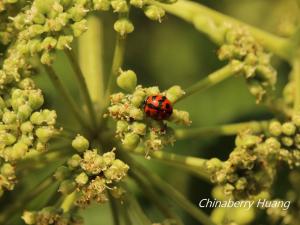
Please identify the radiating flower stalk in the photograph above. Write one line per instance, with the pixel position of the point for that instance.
(97, 164)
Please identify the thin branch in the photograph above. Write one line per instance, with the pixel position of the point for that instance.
(189, 163)
(155, 198)
(173, 194)
(82, 87)
(67, 97)
(213, 79)
(226, 130)
(211, 19)
(114, 209)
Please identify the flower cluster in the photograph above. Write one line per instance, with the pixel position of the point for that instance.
(51, 215)
(7, 177)
(24, 126)
(251, 166)
(240, 45)
(134, 127)
(91, 174)
(249, 169)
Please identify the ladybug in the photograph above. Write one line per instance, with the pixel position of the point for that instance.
(158, 107)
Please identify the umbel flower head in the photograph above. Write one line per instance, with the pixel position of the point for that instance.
(257, 69)
(90, 174)
(51, 215)
(133, 126)
(251, 166)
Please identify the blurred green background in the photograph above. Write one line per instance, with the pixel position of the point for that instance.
(174, 53)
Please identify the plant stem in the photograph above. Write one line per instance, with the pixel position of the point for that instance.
(155, 198)
(116, 64)
(83, 87)
(90, 58)
(296, 72)
(114, 209)
(192, 164)
(173, 194)
(68, 202)
(67, 97)
(213, 79)
(210, 22)
(24, 199)
(135, 211)
(227, 130)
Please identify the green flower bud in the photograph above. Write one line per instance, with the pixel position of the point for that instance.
(137, 3)
(7, 170)
(123, 26)
(64, 41)
(101, 5)
(29, 217)
(7, 139)
(35, 99)
(44, 6)
(26, 84)
(122, 126)
(44, 134)
(108, 158)
(47, 58)
(297, 140)
(180, 117)
(18, 151)
(80, 143)
(288, 128)
(152, 91)
(119, 6)
(130, 141)
(117, 171)
(77, 12)
(287, 141)
(24, 112)
(82, 179)
(62, 173)
(49, 43)
(74, 161)
(79, 27)
(37, 118)
(127, 80)
(273, 143)
(67, 187)
(9, 117)
(275, 128)
(138, 128)
(154, 12)
(136, 113)
(40, 147)
(138, 98)
(296, 119)
(35, 30)
(174, 93)
(34, 46)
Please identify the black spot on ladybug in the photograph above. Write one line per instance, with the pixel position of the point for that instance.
(167, 105)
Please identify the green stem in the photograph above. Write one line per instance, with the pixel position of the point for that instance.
(135, 211)
(213, 79)
(82, 87)
(116, 64)
(67, 97)
(296, 72)
(173, 194)
(192, 164)
(155, 198)
(210, 22)
(227, 130)
(24, 200)
(114, 210)
(68, 202)
(90, 58)
(126, 217)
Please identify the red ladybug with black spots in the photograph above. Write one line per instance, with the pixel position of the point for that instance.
(158, 107)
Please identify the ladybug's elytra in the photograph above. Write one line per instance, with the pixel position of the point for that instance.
(158, 107)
